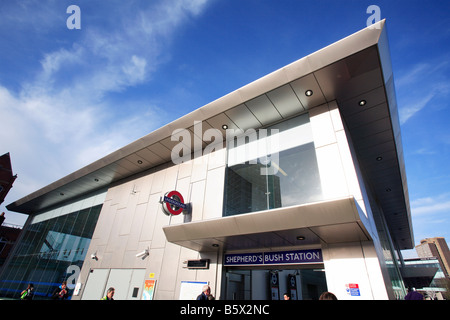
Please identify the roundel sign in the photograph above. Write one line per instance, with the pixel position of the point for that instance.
(173, 203)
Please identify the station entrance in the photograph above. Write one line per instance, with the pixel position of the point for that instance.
(272, 284)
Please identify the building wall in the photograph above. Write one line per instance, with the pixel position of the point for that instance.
(435, 247)
(8, 236)
(131, 219)
(362, 262)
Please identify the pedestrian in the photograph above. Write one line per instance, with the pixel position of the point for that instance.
(28, 293)
(327, 296)
(109, 294)
(206, 293)
(61, 292)
(413, 295)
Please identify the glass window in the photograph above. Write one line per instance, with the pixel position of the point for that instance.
(47, 249)
(273, 168)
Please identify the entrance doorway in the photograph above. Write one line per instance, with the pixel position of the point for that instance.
(267, 284)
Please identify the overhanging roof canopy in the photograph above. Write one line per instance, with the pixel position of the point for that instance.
(417, 276)
(332, 221)
(355, 68)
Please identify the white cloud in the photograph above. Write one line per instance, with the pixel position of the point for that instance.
(415, 106)
(63, 119)
(53, 61)
(425, 151)
(135, 70)
(412, 75)
(431, 205)
(420, 85)
(432, 208)
(430, 216)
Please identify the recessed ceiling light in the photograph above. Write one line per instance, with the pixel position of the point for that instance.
(308, 93)
(224, 126)
(379, 158)
(139, 162)
(362, 103)
(215, 245)
(300, 238)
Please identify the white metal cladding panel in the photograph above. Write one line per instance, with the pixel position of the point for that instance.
(95, 285)
(132, 218)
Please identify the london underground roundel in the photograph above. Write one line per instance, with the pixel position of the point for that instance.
(173, 203)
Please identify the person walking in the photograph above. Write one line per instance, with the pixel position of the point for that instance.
(109, 294)
(61, 292)
(413, 295)
(28, 293)
(327, 296)
(206, 293)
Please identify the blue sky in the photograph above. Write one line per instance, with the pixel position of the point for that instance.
(69, 97)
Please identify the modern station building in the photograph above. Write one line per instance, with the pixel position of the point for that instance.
(293, 183)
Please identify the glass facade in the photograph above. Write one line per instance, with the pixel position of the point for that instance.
(430, 285)
(272, 168)
(388, 254)
(47, 250)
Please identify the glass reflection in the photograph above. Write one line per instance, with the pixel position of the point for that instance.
(293, 160)
(47, 249)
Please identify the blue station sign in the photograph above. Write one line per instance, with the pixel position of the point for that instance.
(274, 258)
